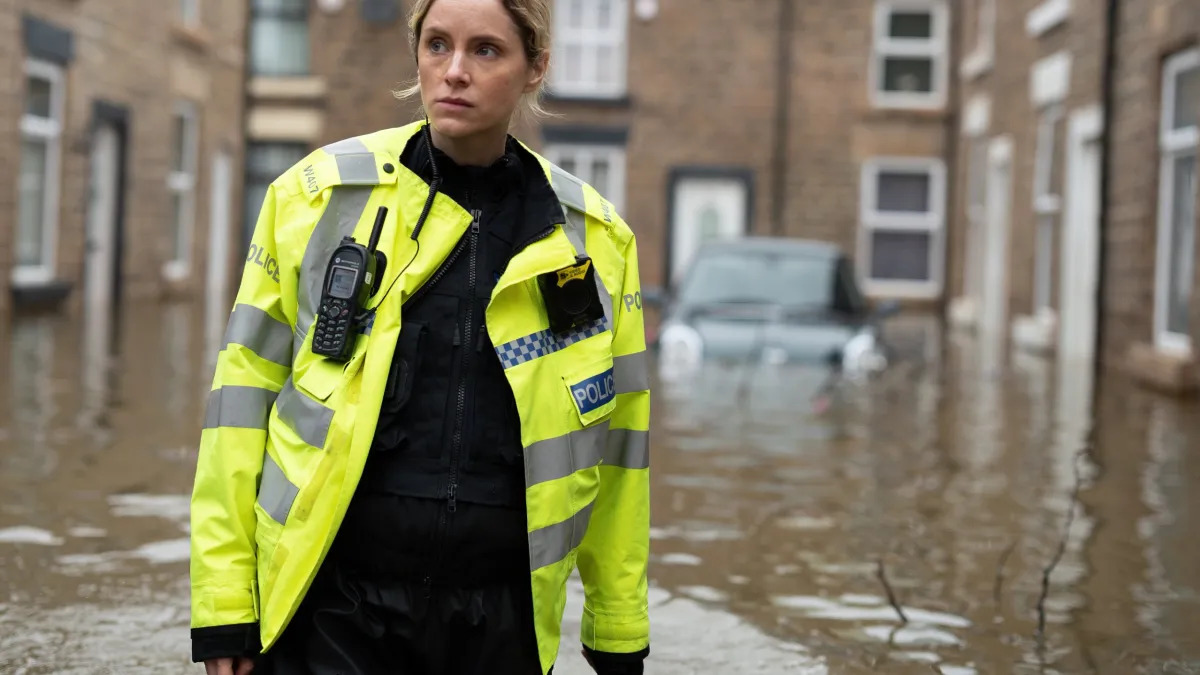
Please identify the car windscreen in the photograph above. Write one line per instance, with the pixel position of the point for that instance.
(790, 280)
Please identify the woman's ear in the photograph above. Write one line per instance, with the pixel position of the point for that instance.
(537, 72)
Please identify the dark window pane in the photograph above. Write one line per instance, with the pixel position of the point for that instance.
(906, 192)
(380, 11)
(1183, 242)
(37, 97)
(900, 256)
(911, 25)
(908, 74)
(31, 193)
(179, 149)
(1187, 99)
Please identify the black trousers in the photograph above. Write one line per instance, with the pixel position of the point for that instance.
(356, 624)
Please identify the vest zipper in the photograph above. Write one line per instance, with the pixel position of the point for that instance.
(456, 443)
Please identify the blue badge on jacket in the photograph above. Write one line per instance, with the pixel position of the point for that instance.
(594, 392)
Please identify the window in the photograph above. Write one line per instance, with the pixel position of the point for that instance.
(601, 166)
(264, 163)
(38, 181)
(181, 183)
(909, 64)
(189, 12)
(279, 38)
(979, 24)
(902, 213)
(1047, 203)
(1178, 137)
(589, 58)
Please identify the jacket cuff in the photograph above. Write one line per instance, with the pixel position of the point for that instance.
(221, 642)
(609, 663)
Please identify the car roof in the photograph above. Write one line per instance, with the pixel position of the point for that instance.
(786, 245)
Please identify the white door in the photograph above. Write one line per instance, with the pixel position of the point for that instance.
(100, 265)
(1081, 248)
(706, 209)
(994, 293)
(219, 233)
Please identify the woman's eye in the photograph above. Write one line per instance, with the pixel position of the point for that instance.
(488, 50)
(437, 45)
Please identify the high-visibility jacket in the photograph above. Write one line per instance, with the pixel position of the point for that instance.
(286, 432)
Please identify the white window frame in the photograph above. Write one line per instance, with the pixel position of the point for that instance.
(1047, 203)
(1043, 18)
(583, 155)
(932, 222)
(50, 131)
(1173, 145)
(935, 48)
(183, 183)
(189, 12)
(588, 39)
(983, 52)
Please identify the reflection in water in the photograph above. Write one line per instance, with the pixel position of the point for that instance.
(903, 528)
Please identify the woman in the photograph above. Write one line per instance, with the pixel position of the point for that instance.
(400, 470)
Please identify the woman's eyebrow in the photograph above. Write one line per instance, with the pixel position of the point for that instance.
(481, 37)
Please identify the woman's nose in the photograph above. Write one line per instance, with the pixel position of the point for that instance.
(456, 72)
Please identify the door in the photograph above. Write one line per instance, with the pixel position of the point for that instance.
(100, 267)
(219, 232)
(1081, 250)
(705, 208)
(994, 293)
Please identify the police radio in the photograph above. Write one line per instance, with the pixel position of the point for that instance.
(351, 278)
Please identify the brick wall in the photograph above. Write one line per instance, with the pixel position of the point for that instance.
(1150, 30)
(133, 55)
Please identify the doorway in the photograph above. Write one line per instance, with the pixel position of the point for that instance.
(1081, 247)
(103, 244)
(220, 228)
(704, 205)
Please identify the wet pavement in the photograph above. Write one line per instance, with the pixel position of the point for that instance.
(905, 525)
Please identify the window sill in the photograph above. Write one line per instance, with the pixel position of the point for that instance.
(977, 64)
(963, 313)
(193, 37)
(40, 295)
(899, 290)
(291, 88)
(1046, 16)
(176, 271)
(623, 101)
(916, 105)
(1171, 373)
(1036, 334)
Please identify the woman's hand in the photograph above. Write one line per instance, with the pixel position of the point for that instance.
(237, 666)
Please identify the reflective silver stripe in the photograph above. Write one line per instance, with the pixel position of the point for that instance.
(568, 188)
(552, 544)
(576, 230)
(560, 457)
(261, 333)
(628, 449)
(308, 418)
(356, 163)
(275, 493)
(345, 209)
(239, 407)
(631, 373)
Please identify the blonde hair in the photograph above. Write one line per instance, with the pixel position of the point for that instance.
(533, 20)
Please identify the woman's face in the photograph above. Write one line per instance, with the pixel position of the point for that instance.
(472, 67)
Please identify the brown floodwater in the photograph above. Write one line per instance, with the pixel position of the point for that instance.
(905, 526)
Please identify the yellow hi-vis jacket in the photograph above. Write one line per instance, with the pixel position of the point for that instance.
(286, 432)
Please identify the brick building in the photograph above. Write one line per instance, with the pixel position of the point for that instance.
(1063, 191)
(698, 118)
(123, 119)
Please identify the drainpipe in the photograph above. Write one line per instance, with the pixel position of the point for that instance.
(783, 88)
(1112, 25)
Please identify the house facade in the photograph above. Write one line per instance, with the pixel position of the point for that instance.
(123, 121)
(1074, 216)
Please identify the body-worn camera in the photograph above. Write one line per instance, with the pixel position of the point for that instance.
(572, 296)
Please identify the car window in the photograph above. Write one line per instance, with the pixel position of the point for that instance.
(743, 277)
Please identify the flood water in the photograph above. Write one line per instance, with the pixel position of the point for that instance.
(905, 526)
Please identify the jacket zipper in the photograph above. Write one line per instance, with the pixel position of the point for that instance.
(464, 366)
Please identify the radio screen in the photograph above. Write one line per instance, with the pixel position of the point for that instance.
(342, 283)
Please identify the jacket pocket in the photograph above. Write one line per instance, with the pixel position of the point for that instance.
(404, 366)
(592, 390)
(320, 379)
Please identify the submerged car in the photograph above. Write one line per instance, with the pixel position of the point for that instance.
(774, 302)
